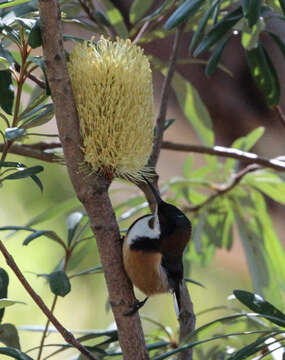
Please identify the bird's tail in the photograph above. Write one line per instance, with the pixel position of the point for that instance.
(176, 300)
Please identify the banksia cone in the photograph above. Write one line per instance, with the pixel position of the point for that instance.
(112, 86)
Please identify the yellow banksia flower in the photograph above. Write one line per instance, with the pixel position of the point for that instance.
(112, 86)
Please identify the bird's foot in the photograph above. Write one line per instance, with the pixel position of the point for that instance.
(135, 307)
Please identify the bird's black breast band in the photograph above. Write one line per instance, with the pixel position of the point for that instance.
(146, 244)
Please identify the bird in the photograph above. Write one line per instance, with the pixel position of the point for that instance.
(153, 250)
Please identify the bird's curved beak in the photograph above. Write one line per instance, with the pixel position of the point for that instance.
(154, 191)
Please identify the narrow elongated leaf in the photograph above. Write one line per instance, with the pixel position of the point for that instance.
(73, 221)
(257, 304)
(219, 30)
(38, 116)
(158, 11)
(193, 108)
(282, 4)
(100, 15)
(38, 182)
(35, 37)
(36, 234)
(6, 91)
(4, 63)
(93, 270)
(251, 10)
(138, 9)
(55, 211)
(10, 3)
(202, 25)
(4, 282)
(264, 74)
(40, 62)
(14, 133)
(59, 283)
(11, 164)
(4, 302)
(116, 19)
(183, 13)
(6, 53)
(216, 56)
(279, 42)
(21, 174)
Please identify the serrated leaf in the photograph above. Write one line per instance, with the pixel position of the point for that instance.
(4, 282)
(9, 336)
(21, 174)
(251, 10)
(138, 9)
(202, 25)
(4, 302)
(36, 234)
(10, 3)
(264, 74)
(59, 283)
(14, 133)
(216, 56)
(6, 91)
(257, 304)
(73, 221)
(4, 63)
(35, 37)
(219, 30)
(183, 13)
(116, 19)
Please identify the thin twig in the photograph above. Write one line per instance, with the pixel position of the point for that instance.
(222, 189)
(68, 337)
(280, 114)
(248, 157)
(32, 77)
(165, 96)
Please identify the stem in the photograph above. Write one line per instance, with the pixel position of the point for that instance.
(46, 328)
(68, 337)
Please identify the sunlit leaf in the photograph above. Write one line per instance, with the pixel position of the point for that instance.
(14, 133)
(10, 3)
(116, 19)
(73, 221)
(4, 63)
(251, 10)
(138, 9)
(4, 302)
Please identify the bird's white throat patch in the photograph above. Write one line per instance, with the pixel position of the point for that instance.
(142, 228)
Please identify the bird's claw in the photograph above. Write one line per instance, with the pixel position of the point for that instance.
(135, 307)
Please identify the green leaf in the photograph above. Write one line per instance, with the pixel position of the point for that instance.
(216, 56)
(14, 133)
(100, 15)
(9, 336)
(194, 282)
(251, 11)
(4, 63)
(257, 304)
(4, 282)
(4, 302)
(6, 54)
(48, 233)
(59, 283)
(38, 116)
(11, 164)
(282, 5)
(183, 13)
(21, 174)
(93, 270)
(116, 19)
(38, 182)
(40, 62)
(6, 91)
(168, 123)
(10, 3)
(138, 9)
(264, 74)
(250, 36)
(55, 211)
(279, 42)
(193, 108)
(35, 37)
(219, 30)
(165, 5)
(73, 221)
(202, 25)
(24, 22)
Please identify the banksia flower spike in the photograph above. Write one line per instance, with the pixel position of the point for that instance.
(112, 86)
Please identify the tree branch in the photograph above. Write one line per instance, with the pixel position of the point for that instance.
(91, 190)
(251, 158)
